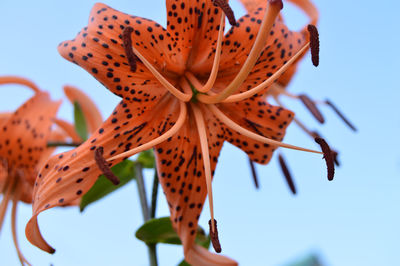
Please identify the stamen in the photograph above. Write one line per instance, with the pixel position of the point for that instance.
(340, 114)
(334, 153)
(247, 94)
(254, 173)
(201, 128)
(174, 91)
(273, 8)
(312, 107)
(314, 44)
(223, 4)
(214, 236)
(175, 128)
(103, 166)
(228, 122)
(286, 173)
(20, 81)
(327, 156)
(15, 199)
(127, 42)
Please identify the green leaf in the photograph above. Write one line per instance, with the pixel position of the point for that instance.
(160, 230)
(80, 121)
(146, 158)
(124, 171)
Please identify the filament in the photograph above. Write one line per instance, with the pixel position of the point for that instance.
(176, 127)
(269, 17)
(220, 115)
(201, 128)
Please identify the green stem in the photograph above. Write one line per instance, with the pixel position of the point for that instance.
(142, 191)
(145, 209)
(154, 195)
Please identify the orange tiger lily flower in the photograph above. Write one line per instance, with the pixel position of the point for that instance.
(23, 146)
(186, 89)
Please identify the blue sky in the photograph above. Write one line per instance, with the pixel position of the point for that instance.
(352, 220)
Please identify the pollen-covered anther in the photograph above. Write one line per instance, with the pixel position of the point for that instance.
(103, 166)
(127, 41)
(312, 107)
(223, 4)
(328, 156)
(340, 114)
(286, 173)
(214, 236)
(314, 44)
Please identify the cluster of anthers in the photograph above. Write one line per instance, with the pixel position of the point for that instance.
(192, 93)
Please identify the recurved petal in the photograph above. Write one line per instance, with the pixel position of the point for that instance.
(66, 177)
(199, 256)
(24, 135)
(181, 173)
(256, 115)
(194, 26)
(89, 108)
(98, 48)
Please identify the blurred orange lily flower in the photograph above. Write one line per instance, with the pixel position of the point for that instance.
(24, 141)
(186, 89)
(23, 146)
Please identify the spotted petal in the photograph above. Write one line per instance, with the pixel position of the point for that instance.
(261, 118)
(68, 176)
(99, 49)
(25, 133)
(194, 25)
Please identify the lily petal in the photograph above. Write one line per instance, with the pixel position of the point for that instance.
(259, 117)
(190, 23)
(199, 256)
(182, 175)
(68, 176)
(25, 134)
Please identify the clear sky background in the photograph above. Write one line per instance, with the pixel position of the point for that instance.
(353, 220)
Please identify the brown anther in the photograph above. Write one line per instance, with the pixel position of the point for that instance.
(254, 173)
(328, 156)
(127, 42)
(335, 153)
(103, 166)
(286, 173)
(276, 2)
(314, 44)
(340, 114)
(223, 4)
(312, 107)
(214, 237)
